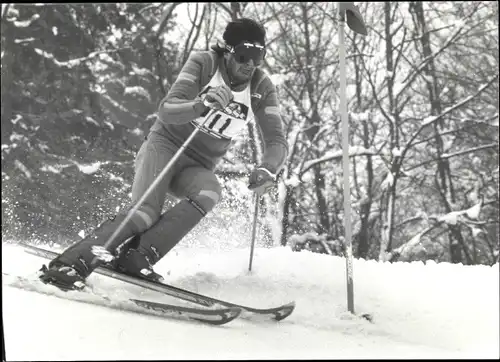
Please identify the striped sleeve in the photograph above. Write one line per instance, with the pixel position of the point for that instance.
(268, 118)
(177, 106)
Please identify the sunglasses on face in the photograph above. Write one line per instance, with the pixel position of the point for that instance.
(245, 51)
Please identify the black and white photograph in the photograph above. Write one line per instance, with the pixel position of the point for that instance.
(250, 181)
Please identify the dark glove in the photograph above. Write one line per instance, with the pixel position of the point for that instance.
(218, 97)
(261, 180)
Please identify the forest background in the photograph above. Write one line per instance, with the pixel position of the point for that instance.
(80, 86)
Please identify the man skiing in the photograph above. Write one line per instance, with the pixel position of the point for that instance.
(217, 91)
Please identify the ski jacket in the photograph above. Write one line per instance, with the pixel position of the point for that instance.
(199, 70)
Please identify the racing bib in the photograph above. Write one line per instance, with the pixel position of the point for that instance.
(230, 121)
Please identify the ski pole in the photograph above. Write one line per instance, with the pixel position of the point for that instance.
(254, 229)
(101, 252)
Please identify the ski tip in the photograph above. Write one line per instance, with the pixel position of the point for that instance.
(231, 314)
(367, 316)
(284, 311)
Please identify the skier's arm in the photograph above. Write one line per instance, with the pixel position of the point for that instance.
(181, 104)
(268, 118)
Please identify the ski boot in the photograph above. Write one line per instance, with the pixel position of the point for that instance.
(62, 276)
(136, 264)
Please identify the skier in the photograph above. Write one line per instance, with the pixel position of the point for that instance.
(217, 91)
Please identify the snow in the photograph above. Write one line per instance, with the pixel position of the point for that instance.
(26, 40)
(280, 78)
(474, 211)
(69, 64)
(50, 168)
(136, 90)
(360, 117)
(89, 168)
(409, 245)
(476, 231)
(23, 168)
(420, 311)
(141, 71)
(337, 154)
(388, 181)
(17, 137)
(292, 181)
(92, 120)
(110, 125)
(17, 119)
(428, 120)
(397, 152)
(137, 131)
(453, 216)
(26, 23)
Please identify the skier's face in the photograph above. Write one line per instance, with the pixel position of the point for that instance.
(240, 71)
(243, 59)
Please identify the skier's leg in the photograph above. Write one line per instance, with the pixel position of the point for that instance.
(151, 158)
(202, 191)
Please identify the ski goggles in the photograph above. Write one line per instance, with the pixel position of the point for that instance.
(245, 51)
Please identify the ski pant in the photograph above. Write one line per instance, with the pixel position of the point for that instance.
(196, 186)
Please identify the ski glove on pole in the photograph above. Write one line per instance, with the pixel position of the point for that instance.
(261, 180)
(219, 97)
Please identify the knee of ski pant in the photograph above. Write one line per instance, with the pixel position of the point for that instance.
(205, 200)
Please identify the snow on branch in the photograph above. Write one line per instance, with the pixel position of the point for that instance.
(419, 70)
(26, 40)
(73, 62)
(429, 120)
(451, 218)
(139, 91)
(404, 249)
(333, 155)
(449, 155)
(25, 23)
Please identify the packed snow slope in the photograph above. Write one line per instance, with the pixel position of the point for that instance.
(420, 311)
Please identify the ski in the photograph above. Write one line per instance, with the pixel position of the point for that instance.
(277, 313)
(87, 295)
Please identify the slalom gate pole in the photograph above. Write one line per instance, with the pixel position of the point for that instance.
(345, 163)
(254, 229)
(102, 252)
